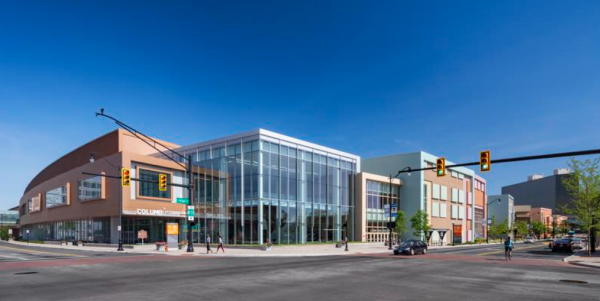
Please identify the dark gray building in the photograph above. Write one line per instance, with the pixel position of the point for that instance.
(539, 191)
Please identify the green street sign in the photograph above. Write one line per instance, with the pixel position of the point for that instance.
(183, 201)
(190, 211)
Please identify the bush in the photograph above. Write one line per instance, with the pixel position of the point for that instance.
(4, 233)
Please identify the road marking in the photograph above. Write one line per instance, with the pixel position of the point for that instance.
(502, 251)
(40, 252)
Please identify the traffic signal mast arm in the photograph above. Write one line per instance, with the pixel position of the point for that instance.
(516, 159)
(134, 179)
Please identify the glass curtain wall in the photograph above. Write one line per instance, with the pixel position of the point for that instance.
(251, 191)
(378, 196)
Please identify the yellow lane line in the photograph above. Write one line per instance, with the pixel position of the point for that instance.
(40, 252)
(502, 251)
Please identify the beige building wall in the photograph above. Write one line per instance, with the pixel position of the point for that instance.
(360, 225)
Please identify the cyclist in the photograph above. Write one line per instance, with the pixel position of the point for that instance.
(508, 246)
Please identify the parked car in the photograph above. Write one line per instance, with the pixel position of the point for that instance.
(564, 244)
(529, 240)
(411, 247)
(578, 243)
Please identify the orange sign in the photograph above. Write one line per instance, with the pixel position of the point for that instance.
(172, 229)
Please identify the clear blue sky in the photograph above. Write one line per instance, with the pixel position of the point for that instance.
(370, 78)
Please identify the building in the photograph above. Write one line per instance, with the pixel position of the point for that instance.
(530, 214)
(447, 200)
(373, 193)
(250, 188)
(539, 191)
(9, 218)
(502, 208)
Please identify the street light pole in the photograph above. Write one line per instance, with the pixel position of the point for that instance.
(188, 168)
(487, 217)
(407, 170)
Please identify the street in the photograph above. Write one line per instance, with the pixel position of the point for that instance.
(472, 273)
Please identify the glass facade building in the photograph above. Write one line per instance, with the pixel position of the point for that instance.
(378, 197)
(262, 186)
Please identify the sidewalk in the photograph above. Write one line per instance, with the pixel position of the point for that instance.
(581, 258)
(237, 251)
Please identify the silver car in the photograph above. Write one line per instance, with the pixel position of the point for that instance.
(529, 240)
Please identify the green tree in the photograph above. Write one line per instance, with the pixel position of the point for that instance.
(538, 228)
(584, 188)
(419, 223)
(563, 228)
(493, 228)
(400, 224)
(503, 228)
(4, 233)
(554, 228)
(522, 228)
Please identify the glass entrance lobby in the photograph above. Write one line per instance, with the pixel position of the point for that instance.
(262, 186)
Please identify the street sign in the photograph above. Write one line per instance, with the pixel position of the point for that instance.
(9, 231)
(484, 221)
(489, 221)
(190, 213)
(173, 235)
(386, 210)
(183, 201)
(119, 228)
(27, 231)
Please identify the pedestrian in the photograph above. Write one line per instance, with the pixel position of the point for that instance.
(220, 241)
(208, 250)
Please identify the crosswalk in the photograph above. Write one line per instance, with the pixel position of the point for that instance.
(12, 254)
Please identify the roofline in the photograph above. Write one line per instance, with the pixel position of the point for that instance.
(271, 134)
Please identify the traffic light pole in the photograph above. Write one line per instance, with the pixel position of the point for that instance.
(190, 247)
(120, 248)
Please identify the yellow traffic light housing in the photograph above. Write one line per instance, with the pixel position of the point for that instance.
(485, 161)
(162, 182)
(440, 169)
(125, 177)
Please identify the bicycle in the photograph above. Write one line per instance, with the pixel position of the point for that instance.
(508, 254)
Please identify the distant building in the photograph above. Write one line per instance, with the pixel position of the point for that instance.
(539, 191)
(452, 202)
(530, 214)
(502, 208)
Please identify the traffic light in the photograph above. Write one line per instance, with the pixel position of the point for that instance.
(125, 177)
(162, 182)
(485, 161)
(441, 167)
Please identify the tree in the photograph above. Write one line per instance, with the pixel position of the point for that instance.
(4, 233)
(522, 228)
(554, 228)
(538, 228)
(400, 224)
(583, 185)
(503, 228)
(563, 228)
(493, 228)
(419, 223)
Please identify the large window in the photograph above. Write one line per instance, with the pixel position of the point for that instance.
(57, 197)
(90, 189)
(149, 185)
(34, 204)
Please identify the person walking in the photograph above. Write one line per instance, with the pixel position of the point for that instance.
(208, 250)
(220, 241)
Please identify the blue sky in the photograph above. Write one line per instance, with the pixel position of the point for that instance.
(367, 77)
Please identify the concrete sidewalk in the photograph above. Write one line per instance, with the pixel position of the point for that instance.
(581, 258)
(241, 251)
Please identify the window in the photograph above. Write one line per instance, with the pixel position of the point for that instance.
(461, 196)
(435, 209)
(454, 195)
(454, 174)
(444, 193)
(90, 189)
(149, 189)
(443, 210)
(454, 213)
(436, 191)
(57, 197)
(34, 204)
(461, 212)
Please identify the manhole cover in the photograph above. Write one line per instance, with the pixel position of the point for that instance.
(99, 255)
(25, 273)
(572, 281)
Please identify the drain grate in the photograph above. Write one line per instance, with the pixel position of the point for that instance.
(25, 273)
(572, 281)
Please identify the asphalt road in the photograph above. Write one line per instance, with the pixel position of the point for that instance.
(476, 273)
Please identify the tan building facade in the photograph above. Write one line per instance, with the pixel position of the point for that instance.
(372, 192)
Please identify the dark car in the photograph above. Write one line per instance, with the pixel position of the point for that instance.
(563, 244)
(411, 247)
